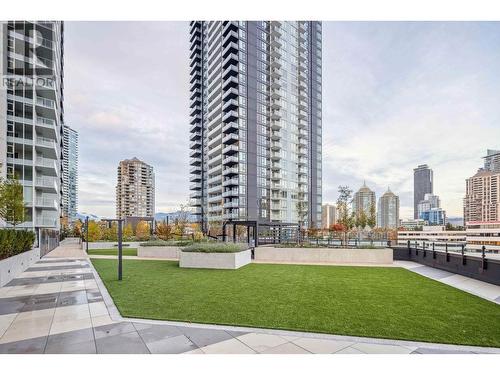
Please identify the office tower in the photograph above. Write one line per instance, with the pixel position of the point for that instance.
(255, 125)
(388, 210)
(135, 189)
(492, 161)
(364, 201)
(328, 215)
(422, 184)
(429, 209)
(482, 197)
(70, 173)
(32, 114)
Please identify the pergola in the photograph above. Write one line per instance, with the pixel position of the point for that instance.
(253, 227)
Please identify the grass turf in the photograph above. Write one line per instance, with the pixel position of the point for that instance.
(125, 251)
(360, 301)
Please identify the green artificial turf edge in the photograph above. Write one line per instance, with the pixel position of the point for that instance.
(466, 328)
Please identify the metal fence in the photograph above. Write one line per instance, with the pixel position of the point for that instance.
(48, 240)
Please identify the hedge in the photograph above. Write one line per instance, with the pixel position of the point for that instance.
(13, 242)
(215, 247)
(179, 243)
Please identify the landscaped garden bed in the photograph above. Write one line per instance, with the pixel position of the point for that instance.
(215, 255)
(16, 253)
(160, 249)
(384, 302)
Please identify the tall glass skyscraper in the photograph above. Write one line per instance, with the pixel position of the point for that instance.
(422, 184)
(255, 125)
(32, 114)
(70, 173)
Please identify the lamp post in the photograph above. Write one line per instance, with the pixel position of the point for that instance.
(120, 247)
(87, 234)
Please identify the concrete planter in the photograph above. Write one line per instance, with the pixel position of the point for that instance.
(159, 252)
(323, 255)
(110, 245)
(14, 266)
(226, 261)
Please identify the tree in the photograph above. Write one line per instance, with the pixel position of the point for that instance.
(346, 217)
(142, 231)
(372, 217)
(182, 220)
(95, 233)
(12, 205)
(163, 231)
(77, 228)
(361, 220)
(110, 233)
(128, 232)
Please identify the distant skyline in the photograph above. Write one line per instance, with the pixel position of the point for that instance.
(395, 95)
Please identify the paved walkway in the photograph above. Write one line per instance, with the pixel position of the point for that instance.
(484, 290)
(59, 305)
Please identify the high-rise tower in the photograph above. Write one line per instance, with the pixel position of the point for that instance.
(255, 125)
(70, 173)
(32, 114)
(422, 184)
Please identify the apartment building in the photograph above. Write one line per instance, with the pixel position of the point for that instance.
(329, 215)
(70, 173)
(388, 210)
(135, 189)
(32, 115)
(255, 121)
(482, 197)
(363, 201)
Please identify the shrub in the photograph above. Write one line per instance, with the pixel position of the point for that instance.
(95, 232)
(215, 247)
(142, 231)
(180, 243)
(13, 242)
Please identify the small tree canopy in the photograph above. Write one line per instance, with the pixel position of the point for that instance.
(12, 205)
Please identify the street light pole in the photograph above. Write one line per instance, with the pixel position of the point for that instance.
(120, 250)
(87, 234)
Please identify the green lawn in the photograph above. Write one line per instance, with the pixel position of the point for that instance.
(360, 301)
(126, 251)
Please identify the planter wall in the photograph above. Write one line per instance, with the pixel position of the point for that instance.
(14, 266)
(324, 255)
(230, 261)
(110, 245)
(159, 252)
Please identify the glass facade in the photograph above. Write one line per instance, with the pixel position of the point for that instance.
(256, 121)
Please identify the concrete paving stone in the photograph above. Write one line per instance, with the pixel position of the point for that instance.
(433, 273)
(196, 351)
(87, 347)
(236, 333)
(70, 325)
(158, 332)
(57, 267)
(12, 305)
(65, 313)
(261, 342)
(94, 296)
(97, 309)
(380, 349)
(349, 350)
(77, 297)
(141, 326)
(113, 329)
(440, 351)
(75, 342)
(30, 346)
(26, 329)
(287, 348)
(321, 346)
(204, 336)
(232, 346)
(125, 343)
(171, 345)
(103, 320)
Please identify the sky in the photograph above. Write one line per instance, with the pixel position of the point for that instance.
(395, 95)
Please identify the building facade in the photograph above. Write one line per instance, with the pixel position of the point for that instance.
(482, 197)
(423, 182)
(388, 210)
(492, 161)
(328, 215)
(255, 127)
(429, 209)
(32, 115)
(364, 201)
(135, 189)
(70, 173)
